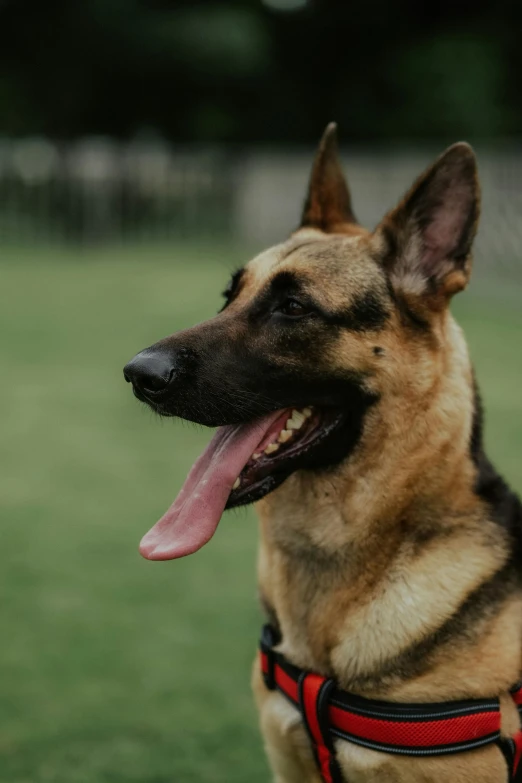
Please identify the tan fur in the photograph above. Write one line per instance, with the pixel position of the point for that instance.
(351, 576)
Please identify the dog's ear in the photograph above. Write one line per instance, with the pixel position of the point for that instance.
(328, 205)
(425, 242)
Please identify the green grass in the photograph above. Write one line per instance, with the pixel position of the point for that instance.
(114, 669)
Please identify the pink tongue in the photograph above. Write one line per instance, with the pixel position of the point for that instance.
(192, 519)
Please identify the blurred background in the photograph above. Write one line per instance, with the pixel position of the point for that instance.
(147, 148)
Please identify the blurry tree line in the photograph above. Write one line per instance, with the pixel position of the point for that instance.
(254, 71)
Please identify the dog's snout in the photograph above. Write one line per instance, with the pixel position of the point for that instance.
(150, 371)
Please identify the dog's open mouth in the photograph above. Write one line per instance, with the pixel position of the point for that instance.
(287, 441)
(241, 464)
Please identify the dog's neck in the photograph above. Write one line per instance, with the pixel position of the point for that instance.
(343, 550)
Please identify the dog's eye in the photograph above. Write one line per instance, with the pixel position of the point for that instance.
(293, 308)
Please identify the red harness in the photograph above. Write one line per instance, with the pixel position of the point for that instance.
(406, 729)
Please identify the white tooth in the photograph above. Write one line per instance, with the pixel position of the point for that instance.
(307, 412)
(284, 435)
(256, 454)
(236, 484)
(271, 448)
(296, 421)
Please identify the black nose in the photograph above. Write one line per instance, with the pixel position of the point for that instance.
(150, 371)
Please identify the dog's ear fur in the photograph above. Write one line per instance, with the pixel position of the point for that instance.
(328, 205)
(425, 242)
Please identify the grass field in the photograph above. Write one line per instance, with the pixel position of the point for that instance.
(114, 669)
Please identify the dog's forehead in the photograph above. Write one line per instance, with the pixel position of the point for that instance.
(343, 264)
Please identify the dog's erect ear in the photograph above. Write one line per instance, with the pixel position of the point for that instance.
(426, 240)
(328, 205)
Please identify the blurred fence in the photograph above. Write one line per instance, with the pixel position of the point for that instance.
(97, 190)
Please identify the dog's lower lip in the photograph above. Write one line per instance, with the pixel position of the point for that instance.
(150, 397)
(142, 397)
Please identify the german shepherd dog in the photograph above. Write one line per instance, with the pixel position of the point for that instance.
(391, 550)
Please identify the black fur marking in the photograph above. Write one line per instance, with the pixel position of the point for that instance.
(271, 615)
(476, 441)
(392, 246)
(367, 313)
(284, 282)
(233, 288)
(424, 533)
(505, 506)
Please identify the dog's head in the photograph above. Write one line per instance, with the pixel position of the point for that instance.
(312, 334)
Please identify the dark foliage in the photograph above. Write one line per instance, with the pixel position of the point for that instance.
(245, 72)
